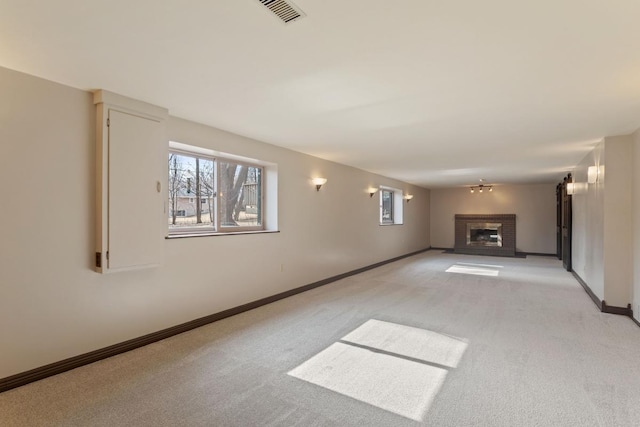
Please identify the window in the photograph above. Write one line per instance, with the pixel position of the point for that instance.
(213, 194)
(386, 201)
(390, 206)
(240, 195)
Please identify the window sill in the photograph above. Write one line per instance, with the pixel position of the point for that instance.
(215, 234)
(389, 224)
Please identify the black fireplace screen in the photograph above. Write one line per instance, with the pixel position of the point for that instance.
(484, 234)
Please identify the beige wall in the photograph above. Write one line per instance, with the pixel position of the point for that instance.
(587, 249)
(603, 237)
(534, 206)
(618, 235)
(54, 306)
(636, 223)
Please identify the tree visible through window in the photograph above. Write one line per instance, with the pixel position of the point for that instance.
(240, 195)
(208, 194)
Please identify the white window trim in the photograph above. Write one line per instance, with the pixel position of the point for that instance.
(269, 192)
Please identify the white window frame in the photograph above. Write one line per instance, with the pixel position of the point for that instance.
(268, 193)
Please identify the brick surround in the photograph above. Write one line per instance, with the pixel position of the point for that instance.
(508, 222)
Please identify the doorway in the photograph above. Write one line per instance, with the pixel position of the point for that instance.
(559, 221)
(565, 221)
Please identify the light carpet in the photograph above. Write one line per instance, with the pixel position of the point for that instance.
(435, 339)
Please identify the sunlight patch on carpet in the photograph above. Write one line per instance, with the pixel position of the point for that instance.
(408, 341)
(477, 270)
(475, 264)
(394, 367)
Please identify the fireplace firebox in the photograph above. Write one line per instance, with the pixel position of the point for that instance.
(484, 234)
(490, 234)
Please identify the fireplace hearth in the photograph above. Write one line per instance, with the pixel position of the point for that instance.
(491, 234)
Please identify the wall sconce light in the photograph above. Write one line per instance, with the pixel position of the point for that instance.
(595, 174)
(408, 197)
(371, 191)
(319, 182)
(571, 188)
(481, 188)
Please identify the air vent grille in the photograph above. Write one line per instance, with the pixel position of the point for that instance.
(285, 10)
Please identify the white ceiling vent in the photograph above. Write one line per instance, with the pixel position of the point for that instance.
(285, 10)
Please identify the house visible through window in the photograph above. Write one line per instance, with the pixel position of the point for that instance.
(209, 194)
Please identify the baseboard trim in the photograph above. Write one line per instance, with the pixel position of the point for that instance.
(588, 290)
(625, 311)
(518, 254)
(55, 368)
(602, 305)
(539, 254)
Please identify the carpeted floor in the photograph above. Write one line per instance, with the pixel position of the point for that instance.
(435, 339)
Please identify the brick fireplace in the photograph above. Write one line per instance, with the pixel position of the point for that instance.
(490, 234)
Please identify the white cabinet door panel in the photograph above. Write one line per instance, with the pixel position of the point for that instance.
(136, 206)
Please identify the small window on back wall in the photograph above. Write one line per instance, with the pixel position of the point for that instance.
(386, 206)
(390, 206)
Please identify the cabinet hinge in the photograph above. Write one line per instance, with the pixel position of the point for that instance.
(108, 122)
(107, 255)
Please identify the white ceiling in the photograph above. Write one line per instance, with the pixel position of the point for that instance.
(436, 93)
